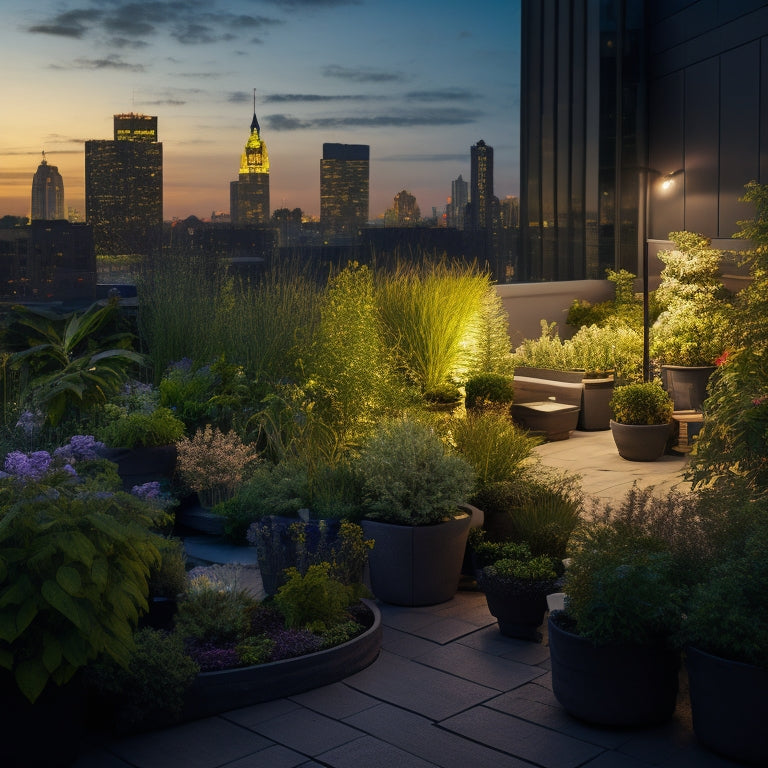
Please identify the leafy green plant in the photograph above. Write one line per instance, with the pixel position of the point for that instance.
(74, 570)
(620, 587)
(728, 612)
(169, 577)
(409, 476)
(548, 351)
(313, 600)
(541, 512)
(695, 326)
(489, 389)
(149, 691)
(131, 430)
(641, 403)
(213, 610)
(490, 349)
(72, 366)
(539, 568)
(491, 442)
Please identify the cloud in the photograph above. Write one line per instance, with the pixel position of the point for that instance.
(442, 94)
(281, 98)
(431, 117)
(291, 4)
(363, 74)
(110, 62)
(127, 23)
(67, 24)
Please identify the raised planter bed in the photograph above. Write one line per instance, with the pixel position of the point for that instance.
(215, 692)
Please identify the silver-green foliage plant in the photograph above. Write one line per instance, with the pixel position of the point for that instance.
(427, 314)
(410, 477)
(695, 326)
(548, 351)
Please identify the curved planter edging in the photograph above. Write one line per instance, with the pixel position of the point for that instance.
(416, 564)
(641, 442)
(729, 706)
(215, 692)
(616, 685)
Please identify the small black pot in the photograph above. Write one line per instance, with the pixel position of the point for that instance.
(519, 607)
(617, 685)
(729, 706)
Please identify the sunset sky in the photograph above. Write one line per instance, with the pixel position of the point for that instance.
(420, 81)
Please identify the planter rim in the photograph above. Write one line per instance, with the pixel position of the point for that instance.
(692, 648)
(623, 424)
(460, 515)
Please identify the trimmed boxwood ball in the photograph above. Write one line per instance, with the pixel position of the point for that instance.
(489, 389)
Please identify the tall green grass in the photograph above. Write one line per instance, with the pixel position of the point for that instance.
(427, 314)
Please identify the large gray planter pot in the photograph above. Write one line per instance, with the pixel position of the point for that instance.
(729, 706)
(595, 411)
(614, 685)
(686, 384)
(641, 442)
(416, 564)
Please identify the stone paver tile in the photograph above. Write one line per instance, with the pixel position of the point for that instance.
(96, 757)
(404, 643)
(420, 736)
(522, 739)
(251, 716)
(490, 640)
(367, 752)
(306, 731)
(418, 688)
(483, 668)
(405, 619)
(445, 630)
(539, 705)
(337, 701)
(273, 757)
(616, 760)
(205, 743)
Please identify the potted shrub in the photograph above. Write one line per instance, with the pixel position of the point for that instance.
(695, 326)
(641, 420)
(168, 580)
(516, 584)
(141, 442)
(613, 661)
(726, 631)
(412, 486)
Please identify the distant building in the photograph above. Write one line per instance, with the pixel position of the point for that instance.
(47, 193)
(124, 188)
(344, 190)
(404, 212)
(482, 205)
(50, 260)
(249, 195)
(457, 208)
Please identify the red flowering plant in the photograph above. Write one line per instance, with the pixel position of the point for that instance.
(214, 464)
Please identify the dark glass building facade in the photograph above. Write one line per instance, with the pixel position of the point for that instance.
(344, 190)
(124, 188)
(638, 118)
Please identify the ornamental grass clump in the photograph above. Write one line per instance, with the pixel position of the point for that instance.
(214, 463)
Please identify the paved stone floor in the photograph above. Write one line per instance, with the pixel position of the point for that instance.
(447, 690)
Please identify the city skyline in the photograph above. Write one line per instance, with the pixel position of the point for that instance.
(420, 84)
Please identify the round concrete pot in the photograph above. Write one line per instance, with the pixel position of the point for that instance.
(416, 564)
(641, 442)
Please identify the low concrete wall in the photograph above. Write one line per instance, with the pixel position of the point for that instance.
(527, 304)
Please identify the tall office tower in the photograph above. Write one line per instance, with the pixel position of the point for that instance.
(47, 193)
(249, 195)
(405, 211)
(124, 188)
(344, 190)
(481, 206)
(457, 208)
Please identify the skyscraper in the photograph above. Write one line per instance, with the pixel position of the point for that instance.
(457, 208)
(481, 207)
(344, 190)
(124, 188)
(47, 193)
(249, 195)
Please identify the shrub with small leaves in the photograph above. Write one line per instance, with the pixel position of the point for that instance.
(255, 650)
(641, 403)
(312, 601)
(294, 642)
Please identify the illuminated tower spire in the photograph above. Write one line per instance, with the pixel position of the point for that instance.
(249, 195)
